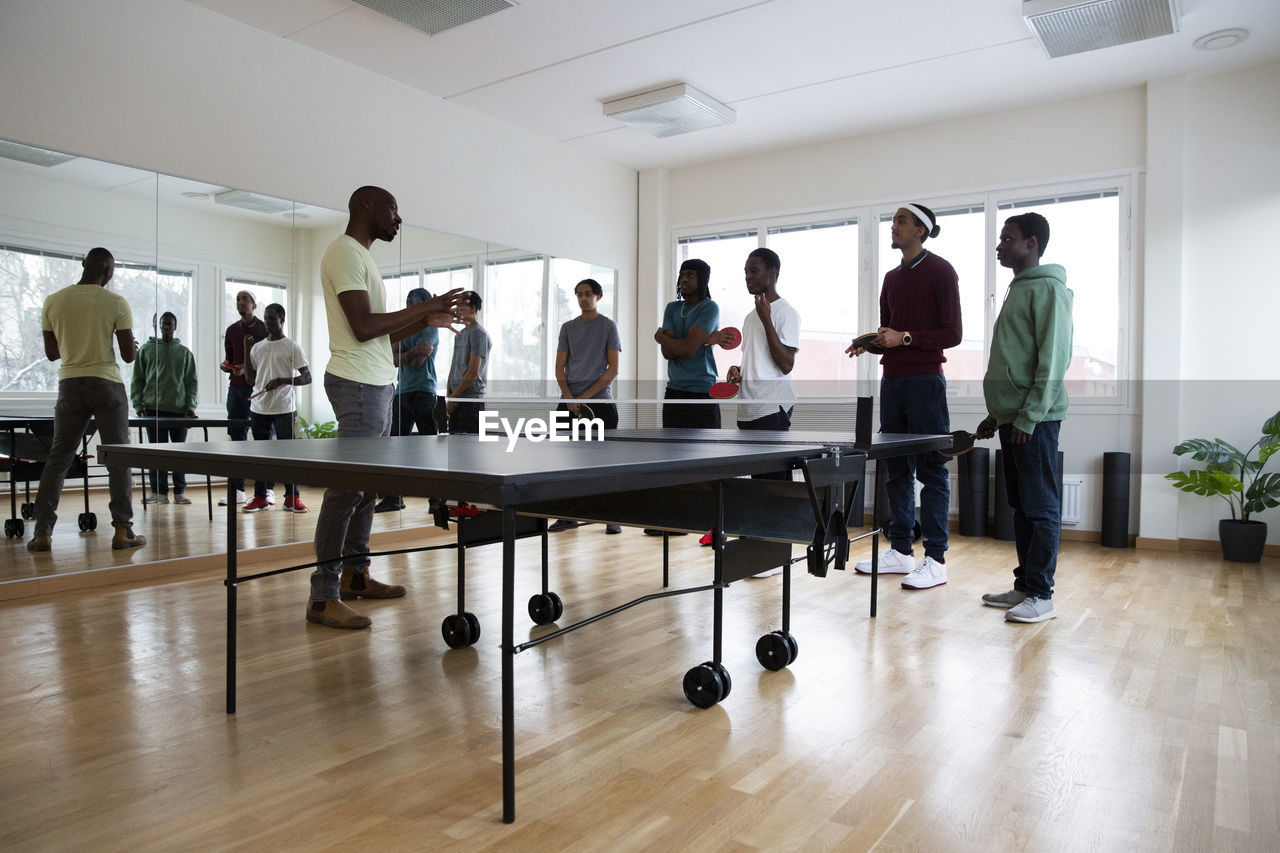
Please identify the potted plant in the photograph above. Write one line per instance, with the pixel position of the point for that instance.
(1238, 479)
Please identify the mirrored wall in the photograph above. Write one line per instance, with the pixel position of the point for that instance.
(187, 248)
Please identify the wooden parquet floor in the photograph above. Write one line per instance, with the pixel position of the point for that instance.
(1143, 718)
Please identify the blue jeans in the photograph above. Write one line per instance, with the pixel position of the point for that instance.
(342, 527)
(1031, 482)
(917, 405)
(79, 400)
(238, 410)
(263, 426)
(177, 435)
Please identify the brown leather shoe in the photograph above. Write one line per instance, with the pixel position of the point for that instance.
(126, 538)
(40, 543)
(335, 614)
(362, 586)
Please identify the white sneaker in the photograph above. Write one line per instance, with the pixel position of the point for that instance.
(892, 562)
(222, 501)
(928, 574)
(271, 497)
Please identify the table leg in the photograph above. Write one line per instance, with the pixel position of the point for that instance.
(508, 665)
(231, 596)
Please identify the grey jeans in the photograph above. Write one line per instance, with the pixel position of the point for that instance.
(79, 400)
(342, 527)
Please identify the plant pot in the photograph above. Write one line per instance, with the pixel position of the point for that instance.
(1242, 541)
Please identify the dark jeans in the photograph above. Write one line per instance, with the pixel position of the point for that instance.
(917, 405)
(238, 410)
(1031, 482)
(700, 416)
(779, 421)
(177, 435)
(79, 400)
(346, 516)
(606, 412)
(413, 409)
(263, 426)
(466, 418)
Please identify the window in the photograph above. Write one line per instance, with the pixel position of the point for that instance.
(439, 280)
(264, 294)
(820, 278)
(830, 282)
(726, 254)
(1084, 236)
(513, 316)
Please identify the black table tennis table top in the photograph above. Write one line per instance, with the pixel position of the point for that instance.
(882, 444)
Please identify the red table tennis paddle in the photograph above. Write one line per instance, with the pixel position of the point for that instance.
(868, 343)
(730, 337)
(724, 390)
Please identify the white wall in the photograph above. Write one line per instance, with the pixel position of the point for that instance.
(1226, 128)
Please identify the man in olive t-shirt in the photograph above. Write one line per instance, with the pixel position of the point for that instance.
(78, 323)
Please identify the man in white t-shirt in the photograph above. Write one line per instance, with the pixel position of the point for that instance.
(360, 382)
(274, 367)
(770, 341)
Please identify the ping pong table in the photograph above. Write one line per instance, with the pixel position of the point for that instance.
(696, 482)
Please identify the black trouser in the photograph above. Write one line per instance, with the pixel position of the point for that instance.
(699, 416)
(413, 409)
(779, 420)
(177, 435)
(606, 412)
(263, 426)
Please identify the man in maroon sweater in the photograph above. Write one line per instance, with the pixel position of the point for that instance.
(919, 318)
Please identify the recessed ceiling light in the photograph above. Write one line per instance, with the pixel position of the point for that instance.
(1222, 39)
(204, 196)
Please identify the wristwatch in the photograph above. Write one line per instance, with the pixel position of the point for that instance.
(906, 339)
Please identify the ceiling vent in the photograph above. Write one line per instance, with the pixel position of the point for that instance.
(436, 16)
(671, 111)
(252, 201)
(34, 156)
(1064, 27)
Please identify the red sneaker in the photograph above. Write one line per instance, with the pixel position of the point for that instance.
(293, 503)
(707, 538)
(257, 504)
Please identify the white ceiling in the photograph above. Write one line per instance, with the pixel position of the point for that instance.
(796, 71)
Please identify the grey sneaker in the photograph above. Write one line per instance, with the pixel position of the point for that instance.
(181, 498)
(153, 498)
(1003, 599)
(1031, 609)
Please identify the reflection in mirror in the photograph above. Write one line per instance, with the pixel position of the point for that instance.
(187, 248)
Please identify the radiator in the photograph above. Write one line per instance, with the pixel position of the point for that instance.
(1072, 493)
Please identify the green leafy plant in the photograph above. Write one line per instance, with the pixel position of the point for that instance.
(1234, 476)
(326, 429)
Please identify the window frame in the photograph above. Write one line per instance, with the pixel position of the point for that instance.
(1123, 183)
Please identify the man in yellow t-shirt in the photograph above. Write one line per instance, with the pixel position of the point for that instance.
(359, 381)
(79, 323)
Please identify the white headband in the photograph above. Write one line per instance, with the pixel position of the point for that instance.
(922, 216)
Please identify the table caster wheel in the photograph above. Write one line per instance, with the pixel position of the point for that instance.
(9, 531)
(704, 686)
(459, 631)
(723, 671)
(82, 521)
(775, 650)
(28, 510)
(545, 609)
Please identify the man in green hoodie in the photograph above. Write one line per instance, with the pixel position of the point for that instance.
(164, 386)
(1026, 402)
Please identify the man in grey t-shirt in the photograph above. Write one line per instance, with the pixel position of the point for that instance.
(586, 364)
(469, 369)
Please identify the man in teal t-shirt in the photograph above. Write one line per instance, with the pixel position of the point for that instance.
(415, 398)
(691, 363)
